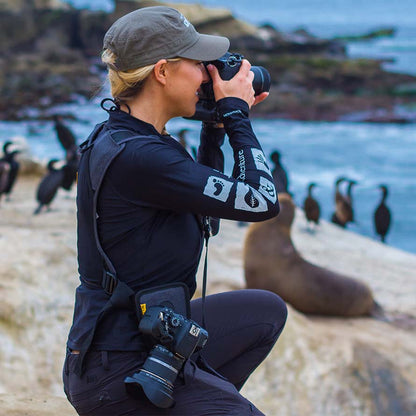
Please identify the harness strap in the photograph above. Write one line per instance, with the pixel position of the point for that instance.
(121, 295)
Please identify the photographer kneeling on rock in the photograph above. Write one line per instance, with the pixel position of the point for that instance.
(138, 345)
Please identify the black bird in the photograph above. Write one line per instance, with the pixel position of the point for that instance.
(9, 179)
(4, 176)
(65, 135)
(48, 186)
(70, 170)
(279, 174)
(382, 215)
(311, 206)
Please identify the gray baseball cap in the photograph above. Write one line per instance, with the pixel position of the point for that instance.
(149, 34)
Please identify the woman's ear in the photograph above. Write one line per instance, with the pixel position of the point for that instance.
(160, 71)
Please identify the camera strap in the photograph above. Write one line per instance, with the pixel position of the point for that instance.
(200, 360)
(206, 226)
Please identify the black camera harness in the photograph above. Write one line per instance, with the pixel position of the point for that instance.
(121, 295)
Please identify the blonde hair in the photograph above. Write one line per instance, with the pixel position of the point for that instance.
(125, 85)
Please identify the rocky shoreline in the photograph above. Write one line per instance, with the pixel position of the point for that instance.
(320, 365)
(51, 57)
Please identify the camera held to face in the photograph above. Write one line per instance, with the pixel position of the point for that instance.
(228, 65)
(175, 339)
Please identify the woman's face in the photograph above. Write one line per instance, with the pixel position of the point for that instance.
(184, 81)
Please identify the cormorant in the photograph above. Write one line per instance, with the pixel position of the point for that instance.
(4, 175)
(339, 217)
(70, 170)
(279, 174)
(65, 135)
(382, 215)
(349, 207)
(48, 186)
(9, 179)
(311, 206)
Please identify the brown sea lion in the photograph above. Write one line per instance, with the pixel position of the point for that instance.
(272, 262)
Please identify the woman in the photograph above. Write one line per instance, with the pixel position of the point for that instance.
(139, 221)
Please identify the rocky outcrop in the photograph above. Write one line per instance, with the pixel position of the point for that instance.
(51, 55)
(48, 57)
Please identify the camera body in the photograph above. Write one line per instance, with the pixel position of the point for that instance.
(183, 336)
(174, 339)
(228, 65)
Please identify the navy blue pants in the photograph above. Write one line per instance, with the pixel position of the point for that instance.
(242, 325)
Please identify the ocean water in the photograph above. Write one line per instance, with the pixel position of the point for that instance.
(372, 154)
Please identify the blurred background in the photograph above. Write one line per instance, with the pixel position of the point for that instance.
(342, 102)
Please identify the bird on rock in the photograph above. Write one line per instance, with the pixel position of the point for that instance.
(382, 215)
(344, 212)
(10, 169)
(49, 185)
(311, 207)
(280, 177)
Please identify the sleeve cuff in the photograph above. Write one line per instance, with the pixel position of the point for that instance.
(232, 107)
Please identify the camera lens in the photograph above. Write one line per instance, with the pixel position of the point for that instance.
(261, 81)
(155, 379)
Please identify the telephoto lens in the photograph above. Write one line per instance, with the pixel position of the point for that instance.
(155, 379)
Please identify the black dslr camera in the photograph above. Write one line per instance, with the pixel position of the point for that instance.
(174, 339)
(228, 65)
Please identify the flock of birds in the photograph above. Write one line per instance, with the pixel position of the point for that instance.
(59, 174)
(343, 202)
(62, 174)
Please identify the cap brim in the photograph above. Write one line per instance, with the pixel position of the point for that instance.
(207, 48)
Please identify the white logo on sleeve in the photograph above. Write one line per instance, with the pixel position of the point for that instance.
(260, 160)
(267, 189)
(218, 188)
(248, 199)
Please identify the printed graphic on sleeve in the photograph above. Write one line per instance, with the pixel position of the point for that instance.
(260, 160)
(217, 188)
(248, 199)
(267, 189)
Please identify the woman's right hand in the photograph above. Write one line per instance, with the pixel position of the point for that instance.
(240, 86)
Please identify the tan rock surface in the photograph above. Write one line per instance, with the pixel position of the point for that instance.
(320, 366)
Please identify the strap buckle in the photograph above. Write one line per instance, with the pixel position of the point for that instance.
(109, 282)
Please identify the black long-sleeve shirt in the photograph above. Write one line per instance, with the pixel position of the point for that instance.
(149, 209)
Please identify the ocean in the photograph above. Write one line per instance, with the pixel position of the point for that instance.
(372, 154)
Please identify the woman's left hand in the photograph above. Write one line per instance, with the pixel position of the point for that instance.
(261, 97)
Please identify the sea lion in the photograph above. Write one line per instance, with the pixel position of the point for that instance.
(272, 262)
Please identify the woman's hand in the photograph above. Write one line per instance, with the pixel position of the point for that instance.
(261, 97)
(240, 86)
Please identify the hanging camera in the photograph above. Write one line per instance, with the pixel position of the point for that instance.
(174, 338)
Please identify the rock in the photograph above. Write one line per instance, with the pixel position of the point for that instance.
(374, 34)
(25, 5)
(18, 405)
(218, 21)
(319, 366)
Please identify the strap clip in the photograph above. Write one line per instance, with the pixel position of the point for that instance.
(109, 282)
